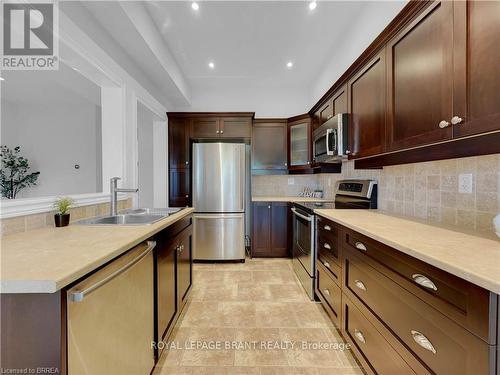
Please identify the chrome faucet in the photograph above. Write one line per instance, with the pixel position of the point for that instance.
(114, 190)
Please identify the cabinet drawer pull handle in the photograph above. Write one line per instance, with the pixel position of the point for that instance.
(359, 335)
(327, 227)
(327, 246)
(326, 264)
(360, 246)
(326, 291)
(455, 120)
(423, 341)
(424, 281)
(444, 124)
(359, 284)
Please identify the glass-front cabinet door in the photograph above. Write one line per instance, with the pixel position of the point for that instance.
(300, 143)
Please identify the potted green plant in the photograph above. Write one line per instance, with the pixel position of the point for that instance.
(62, 205)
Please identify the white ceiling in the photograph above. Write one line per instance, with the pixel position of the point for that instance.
(250, 43)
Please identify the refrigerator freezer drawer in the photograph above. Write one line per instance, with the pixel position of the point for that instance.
(219, 236)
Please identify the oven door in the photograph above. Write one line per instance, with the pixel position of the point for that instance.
(303, 239)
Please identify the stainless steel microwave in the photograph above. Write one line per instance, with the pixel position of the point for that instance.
(330, 140)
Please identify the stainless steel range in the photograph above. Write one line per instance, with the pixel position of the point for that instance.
(350, 194)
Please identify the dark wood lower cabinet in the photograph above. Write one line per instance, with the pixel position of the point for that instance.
(394, 322)
(270, 229)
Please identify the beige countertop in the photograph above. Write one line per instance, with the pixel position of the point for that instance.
(472, 258)
(46, 260)
(287, 199)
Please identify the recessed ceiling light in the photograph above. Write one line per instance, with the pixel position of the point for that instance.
(195, 5)
(211, 65)
(289, 65)
(312, 5)
(2, 79)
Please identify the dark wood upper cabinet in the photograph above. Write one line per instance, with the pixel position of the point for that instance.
(179, 187)
(269, 145)
(367, 106)
(235, 127)
(476, 98)
(205, 127)
(299, 142)
(420, 80)
(337, 103)
(324, 114)
(178, 142)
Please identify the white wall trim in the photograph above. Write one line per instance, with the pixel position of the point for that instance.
(29, 206)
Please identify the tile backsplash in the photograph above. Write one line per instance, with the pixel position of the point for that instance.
(427, 190)
(46, 219)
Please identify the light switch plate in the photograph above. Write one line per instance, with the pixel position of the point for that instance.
(291, 181)
(465, 183)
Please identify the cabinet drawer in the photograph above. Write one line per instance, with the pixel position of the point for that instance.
(327, 228)
(465, 303)
(329, 292)
(328, 248)
(331, 267)
(444, 346)
(372, 349)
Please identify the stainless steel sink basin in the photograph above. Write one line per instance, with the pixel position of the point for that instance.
(129, 219)
(139, 216)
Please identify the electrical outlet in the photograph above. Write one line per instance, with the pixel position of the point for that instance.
(291, 181)
(465, 183)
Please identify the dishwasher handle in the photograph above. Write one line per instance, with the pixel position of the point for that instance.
(79, 295)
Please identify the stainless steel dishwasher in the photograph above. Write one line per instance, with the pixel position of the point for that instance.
(111, 317)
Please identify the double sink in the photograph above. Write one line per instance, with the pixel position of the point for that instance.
(139, 216)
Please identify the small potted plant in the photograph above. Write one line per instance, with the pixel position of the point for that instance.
(62, 205)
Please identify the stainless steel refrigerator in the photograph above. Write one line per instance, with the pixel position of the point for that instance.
(219, 195)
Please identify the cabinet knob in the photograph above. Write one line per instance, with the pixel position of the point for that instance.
(444, 124)
(222, 131)
(327, 246)
(424, 281)
(187, 195)
(218, 132)
(423, 341)
(327, 227)
(326, 291)
(359, 335)
(360, 246)
(269, 206)
(326, 264)
(347, 152)
(455, 120)
(329, 117)
(286, 164)
(359, 284)
(187, 162)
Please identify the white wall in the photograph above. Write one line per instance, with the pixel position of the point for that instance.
(264, 102)
(145, 120)
(370, 23)
(54, 138)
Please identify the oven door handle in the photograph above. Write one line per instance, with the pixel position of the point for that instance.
(308, 218)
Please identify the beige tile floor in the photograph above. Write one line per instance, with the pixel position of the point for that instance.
(259, 301)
